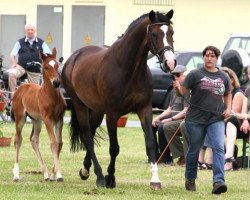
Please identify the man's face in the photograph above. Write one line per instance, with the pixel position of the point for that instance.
(30, 32)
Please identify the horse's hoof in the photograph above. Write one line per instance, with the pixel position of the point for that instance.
(110, 181)
(155, 185)
(47, 179)
(100, 183)
(83, 177)
(59, 180)
(15, 180)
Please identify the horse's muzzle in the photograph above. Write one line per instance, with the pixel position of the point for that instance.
(56, 83)
(169, 61)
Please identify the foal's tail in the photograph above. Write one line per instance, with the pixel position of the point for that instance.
(77, 140)
(12, 115)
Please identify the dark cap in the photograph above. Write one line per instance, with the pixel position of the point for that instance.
(179, 69)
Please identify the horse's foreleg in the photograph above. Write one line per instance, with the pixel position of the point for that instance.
(34, 139)
(113, 151)
(58, 130)
(54, 149)
(17, 144)
(145, 116)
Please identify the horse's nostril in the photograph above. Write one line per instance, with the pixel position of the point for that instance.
(56, 83)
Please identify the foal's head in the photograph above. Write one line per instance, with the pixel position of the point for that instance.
(160, 33)
(50, 68)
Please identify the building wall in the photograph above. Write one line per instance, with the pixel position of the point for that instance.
(196, 23)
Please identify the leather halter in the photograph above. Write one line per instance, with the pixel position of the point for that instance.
(161, 51)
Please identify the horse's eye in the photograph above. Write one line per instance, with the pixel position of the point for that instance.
(154, 35)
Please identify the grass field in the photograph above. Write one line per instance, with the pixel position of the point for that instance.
(132, 173)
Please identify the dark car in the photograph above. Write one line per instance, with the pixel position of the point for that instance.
(163, 81)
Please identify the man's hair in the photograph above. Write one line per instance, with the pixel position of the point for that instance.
(29, 25)
(214, 49)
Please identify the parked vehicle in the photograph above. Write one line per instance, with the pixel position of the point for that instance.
(163, 81)
(236, 55)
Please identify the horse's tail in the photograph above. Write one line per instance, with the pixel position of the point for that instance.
(77, 140)
(12, 115)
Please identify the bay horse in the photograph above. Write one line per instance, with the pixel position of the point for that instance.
(41, 103)
(115, 81)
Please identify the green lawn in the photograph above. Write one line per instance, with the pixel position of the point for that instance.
(132, 173)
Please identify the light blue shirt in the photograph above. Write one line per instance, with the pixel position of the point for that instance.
(17, 46)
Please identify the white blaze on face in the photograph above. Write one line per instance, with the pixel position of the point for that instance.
(164, 28)
(168, 56)
(52, 63)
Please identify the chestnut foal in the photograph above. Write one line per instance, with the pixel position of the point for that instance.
(41, 103)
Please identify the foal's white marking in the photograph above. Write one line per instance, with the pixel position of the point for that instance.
(52, 63)
(16, 172)
(164, 28)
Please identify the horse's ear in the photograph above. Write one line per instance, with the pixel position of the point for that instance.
(152, 16)
(42, 55)
(170, 14)
(54, 52)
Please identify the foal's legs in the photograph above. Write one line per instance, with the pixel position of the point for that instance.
(20, 120)
(58, 132)
(54, 148)
(34, 139)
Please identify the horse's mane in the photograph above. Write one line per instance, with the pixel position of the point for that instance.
(161, 17)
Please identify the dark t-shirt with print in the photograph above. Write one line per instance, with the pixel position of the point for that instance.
(207, 95)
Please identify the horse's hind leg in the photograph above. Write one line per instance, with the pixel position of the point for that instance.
(81, 135)
(20, 121)
(84, 171)
(113, 151)
(96, 120)
(34, 139)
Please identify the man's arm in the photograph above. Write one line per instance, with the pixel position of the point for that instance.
(181, 114)
(14, 53)
(162, 115)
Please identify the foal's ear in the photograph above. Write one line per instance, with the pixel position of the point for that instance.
(170, 14)
(42, 55)
(54, 52)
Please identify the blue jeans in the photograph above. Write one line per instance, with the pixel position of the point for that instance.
(216, 134)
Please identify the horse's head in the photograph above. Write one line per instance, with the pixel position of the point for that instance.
(160, 33)
(50, 68)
